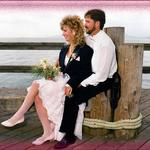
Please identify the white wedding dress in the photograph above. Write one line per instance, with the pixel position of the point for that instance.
(52, 95)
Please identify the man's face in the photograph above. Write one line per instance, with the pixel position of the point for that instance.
(89, 25)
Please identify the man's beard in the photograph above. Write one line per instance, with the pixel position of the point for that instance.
(90, 31)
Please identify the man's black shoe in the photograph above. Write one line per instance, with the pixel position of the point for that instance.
(64, 143)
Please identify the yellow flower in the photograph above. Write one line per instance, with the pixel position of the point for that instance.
(46, 70)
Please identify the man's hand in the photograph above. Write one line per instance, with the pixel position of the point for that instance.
(68, 90)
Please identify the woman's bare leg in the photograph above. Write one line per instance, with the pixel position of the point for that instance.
(47, 125)
(28, 101)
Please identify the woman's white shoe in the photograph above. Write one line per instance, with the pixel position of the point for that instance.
(41, 140)
(7, 123)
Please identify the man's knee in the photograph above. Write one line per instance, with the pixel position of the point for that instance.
(70, 105)
(69, 101)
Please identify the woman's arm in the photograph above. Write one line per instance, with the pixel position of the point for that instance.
(85, 68)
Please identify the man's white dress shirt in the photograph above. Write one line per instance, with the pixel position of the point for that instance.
(104, 63)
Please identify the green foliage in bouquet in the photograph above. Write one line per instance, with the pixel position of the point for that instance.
(46, 70)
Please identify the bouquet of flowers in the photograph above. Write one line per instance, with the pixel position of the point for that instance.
(46, 70)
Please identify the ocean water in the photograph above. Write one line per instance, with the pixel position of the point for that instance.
(22, 57)
(31, 57)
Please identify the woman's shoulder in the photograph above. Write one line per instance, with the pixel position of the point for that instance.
(87, 48)
(65, 46)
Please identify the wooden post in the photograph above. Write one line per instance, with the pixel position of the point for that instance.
(130, 60)
(99, 109)
(116, 34)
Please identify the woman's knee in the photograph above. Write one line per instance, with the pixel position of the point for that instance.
(37, 100)
(34, 88)
(35, 85)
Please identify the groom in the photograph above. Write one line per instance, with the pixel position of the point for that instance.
(104, 66)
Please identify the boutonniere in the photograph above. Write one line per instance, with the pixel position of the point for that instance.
(73, 56)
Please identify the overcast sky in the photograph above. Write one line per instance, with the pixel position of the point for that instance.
(43, 21)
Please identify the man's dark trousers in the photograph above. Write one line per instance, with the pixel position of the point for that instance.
(82, 94)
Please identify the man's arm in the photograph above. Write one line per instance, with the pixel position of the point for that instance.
(102, 60)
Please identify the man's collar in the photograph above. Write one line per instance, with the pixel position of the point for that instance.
(98, 34)
(94, 37)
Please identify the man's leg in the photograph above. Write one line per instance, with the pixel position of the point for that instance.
(68, 123)
(82, 94)
(70, 116)
(71, 108)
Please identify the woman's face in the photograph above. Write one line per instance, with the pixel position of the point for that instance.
(68, 34)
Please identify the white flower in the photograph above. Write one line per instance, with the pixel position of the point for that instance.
(44, 66)
(44, 63)
(74, 55)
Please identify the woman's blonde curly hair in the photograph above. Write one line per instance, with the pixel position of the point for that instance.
(75, 23)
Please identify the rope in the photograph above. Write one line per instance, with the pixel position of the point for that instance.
(121, 124)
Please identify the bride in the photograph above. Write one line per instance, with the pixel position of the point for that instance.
(75, 65)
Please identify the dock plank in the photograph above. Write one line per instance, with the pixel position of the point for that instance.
(21, 137)
(90, 144)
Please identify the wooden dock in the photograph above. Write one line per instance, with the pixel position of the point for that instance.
(20, 137)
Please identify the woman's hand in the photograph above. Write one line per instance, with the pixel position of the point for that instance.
(60, 74)
(57, 63)
(68, 90)
(49, 78)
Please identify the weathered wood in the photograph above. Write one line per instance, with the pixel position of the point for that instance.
(130, 60)
(116, 33)
(56, 45)
(100, 109)
(146, 70)
(11, 99)
(31, 45)
(28, 69)
(146, 47)
(16, 69)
